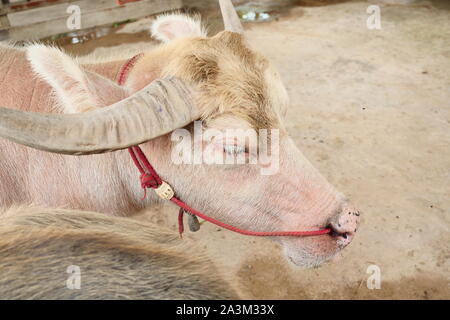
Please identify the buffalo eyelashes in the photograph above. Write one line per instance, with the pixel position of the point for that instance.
(233, 150)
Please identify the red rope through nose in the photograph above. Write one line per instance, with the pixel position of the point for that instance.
(150, 179)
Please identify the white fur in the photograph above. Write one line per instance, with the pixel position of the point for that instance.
(76, 90)
(169, 27)
(63, 73)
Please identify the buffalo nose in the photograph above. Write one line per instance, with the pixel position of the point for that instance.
(344, 225)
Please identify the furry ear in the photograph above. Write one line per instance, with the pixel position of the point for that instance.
(174, 26)
(77, 90)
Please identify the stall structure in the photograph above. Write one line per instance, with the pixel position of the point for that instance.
(36, 19)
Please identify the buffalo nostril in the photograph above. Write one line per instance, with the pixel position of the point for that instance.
(336, 232)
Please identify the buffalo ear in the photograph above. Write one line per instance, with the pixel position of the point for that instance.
(76, 89)
(169, 27)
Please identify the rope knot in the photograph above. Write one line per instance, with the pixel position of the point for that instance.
(149, 181)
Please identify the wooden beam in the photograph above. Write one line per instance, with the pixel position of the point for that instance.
(25, 5)
(132, 10)
(57, 11)
(4, 23)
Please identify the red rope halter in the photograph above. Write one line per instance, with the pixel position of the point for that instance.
(149, 178)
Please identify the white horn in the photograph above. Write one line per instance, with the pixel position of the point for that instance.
(230, 17)
(157, 109)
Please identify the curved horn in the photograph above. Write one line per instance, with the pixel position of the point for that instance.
(230, 17)
(157, 109)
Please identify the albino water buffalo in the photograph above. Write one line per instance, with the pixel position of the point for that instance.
(218, 79)
(65, 254)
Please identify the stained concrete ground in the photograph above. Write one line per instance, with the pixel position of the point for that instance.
(371, 110)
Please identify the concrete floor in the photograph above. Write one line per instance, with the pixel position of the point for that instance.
(371, 109)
